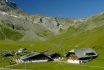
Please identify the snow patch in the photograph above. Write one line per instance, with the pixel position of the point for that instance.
(14, 16)
(3, 13)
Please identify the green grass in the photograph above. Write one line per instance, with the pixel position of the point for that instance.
(4, 61)
(75, 38)
(54, 66)
(7, 33)
(1, 36)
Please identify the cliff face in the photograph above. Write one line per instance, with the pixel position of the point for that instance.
(54, 24)
(48, 22)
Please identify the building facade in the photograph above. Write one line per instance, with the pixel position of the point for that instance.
(79, 56)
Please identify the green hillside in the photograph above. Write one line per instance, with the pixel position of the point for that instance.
(9, 34)
(85, 34)
(73, 37)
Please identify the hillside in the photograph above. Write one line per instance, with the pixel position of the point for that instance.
(18, 21)
(88, 33)
(23, 26)
(31, 27)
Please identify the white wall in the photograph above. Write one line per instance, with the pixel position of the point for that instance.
(74, 61)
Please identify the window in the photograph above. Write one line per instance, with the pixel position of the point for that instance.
(90, 53)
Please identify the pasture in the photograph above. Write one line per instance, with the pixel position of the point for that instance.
(96, 64)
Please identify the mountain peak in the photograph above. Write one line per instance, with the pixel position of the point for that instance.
(6, 3)
(2, 3)
(11, 8)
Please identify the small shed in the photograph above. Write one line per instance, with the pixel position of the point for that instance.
(35, 57)
(22, 50)
(79, 56)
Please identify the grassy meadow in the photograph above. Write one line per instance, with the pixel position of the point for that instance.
(55, 66)
(96, 64)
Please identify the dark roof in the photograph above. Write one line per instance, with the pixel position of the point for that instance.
(29, 55)
(83, 51)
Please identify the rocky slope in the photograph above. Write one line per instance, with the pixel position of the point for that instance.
(21, 24)
(54, 24)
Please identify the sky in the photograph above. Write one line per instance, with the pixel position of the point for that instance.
(62, 8)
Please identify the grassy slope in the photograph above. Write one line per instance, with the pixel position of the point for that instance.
(55, 66)
(77, 37)
(7, 33)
